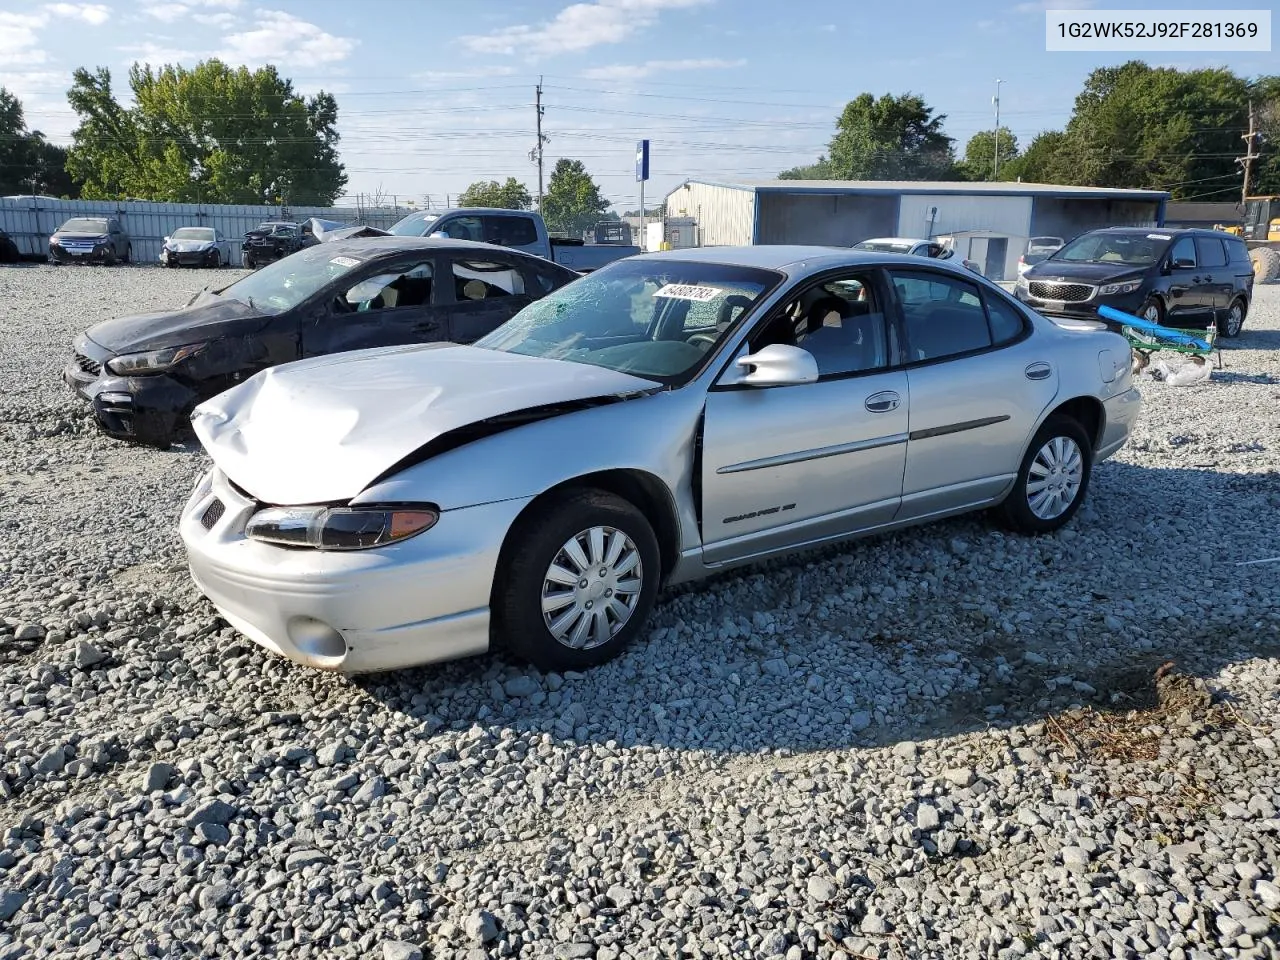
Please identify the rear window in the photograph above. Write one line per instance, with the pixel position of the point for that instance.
(510, 231)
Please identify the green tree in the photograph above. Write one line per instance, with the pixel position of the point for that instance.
(1043, 160)
(208, 134)
(813, 171)
(573, 202)
(512, 195)
(979, 154)
(890, 138)
(28, 162)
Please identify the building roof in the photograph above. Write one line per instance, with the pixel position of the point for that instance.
(935, 187)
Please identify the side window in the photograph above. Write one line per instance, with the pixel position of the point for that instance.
(1210, 253)
(386, 291)
(1184, 248)
(462, 228)
(509, 231)
(944, 316)
(1006, 323)
(1239, 252)
(840, 322)
(476, 280)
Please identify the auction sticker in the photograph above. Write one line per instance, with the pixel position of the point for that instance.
(346, 261)
(689, 291)
(1159, 236)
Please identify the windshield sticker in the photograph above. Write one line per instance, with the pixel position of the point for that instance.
(345, 261)
(689, 291)
(1159, 236)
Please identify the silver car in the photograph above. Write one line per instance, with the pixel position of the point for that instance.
(195, 247)
(664, 418)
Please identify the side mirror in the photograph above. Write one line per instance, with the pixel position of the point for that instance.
(1182, 263)
(777, 365)
(165, 240)
(439, 235)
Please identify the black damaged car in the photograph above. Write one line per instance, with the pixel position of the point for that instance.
(144, 374)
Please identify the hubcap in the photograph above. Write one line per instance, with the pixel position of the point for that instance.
(1054, 480)
(592, 587)
(1235, 317)
(1151, 314)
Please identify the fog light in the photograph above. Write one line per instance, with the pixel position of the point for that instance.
(320, 643)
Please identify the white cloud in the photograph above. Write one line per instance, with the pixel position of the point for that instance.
(650, 67)
(170, 11)
(159, 53)
(479, 73)
(279, 37)
(828, 28)
(578, 26)
(94, 14)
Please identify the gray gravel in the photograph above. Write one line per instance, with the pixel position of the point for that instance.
(917, 746)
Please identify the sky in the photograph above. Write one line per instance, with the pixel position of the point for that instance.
(436, 94)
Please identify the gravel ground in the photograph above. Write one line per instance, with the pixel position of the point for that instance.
(944, 743)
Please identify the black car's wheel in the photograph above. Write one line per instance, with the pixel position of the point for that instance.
(576, 581)
(1152, 311)
(128, 254)
(1052, 480)
(1229, 324)
(247, 262)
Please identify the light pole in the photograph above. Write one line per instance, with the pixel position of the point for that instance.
(995, 166)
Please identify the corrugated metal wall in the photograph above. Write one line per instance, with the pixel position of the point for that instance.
(725, 216)
(838, 220)
(30, 220)
(967, 215)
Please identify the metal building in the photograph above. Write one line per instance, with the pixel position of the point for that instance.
(990, 222)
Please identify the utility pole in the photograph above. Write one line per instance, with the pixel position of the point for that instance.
(995, 166)
(536, 153)
(1250, 141)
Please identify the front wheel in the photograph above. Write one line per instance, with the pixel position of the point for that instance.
(1052, 480)
(215, 259)
(1229, 325)
(128, 254)
(1152, 312)
(577, 581)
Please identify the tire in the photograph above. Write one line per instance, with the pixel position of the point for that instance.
(128, 253)
(1266, 264)
(246, 261)
(1232, 321)
(537, 543)
(216, 260)
(1056, 439)
(1152, 311)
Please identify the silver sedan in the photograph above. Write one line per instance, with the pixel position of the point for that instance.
(664, 418)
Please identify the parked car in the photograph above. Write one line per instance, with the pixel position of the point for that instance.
(520, 229)
(1181, 278)
(90, 238)
(664, 418)
(9, 252)
(195, 247)
(914, 248)
(143, 374)
(269, 241)
(1038, 249)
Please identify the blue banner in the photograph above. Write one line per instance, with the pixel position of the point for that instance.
(642, 160)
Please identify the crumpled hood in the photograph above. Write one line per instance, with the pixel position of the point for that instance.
(321, 430)
(208, 319)
(188, 246)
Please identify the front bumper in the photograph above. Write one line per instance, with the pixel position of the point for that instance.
(147, 409)
(59, 254)
(1084, 309)
(421, 601)
(187, 258)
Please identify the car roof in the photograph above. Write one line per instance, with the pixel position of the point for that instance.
(390, 245)
(795, 259)
(1163, 231)
(893, 240)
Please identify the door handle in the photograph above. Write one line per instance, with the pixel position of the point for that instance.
(883, 402)
(1038, 371)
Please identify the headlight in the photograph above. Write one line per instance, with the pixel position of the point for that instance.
(339, 528)
(1022, 284)
(1111, 289)
(153, 361)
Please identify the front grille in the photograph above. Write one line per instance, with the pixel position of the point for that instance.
(1062, 292)
(88, 365)
(212, 514)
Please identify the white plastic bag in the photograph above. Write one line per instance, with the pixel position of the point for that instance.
(1181, 371)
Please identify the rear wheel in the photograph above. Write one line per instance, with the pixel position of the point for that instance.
(1229, 325)
(577, 580)
(1266, 264)
(1052, 479)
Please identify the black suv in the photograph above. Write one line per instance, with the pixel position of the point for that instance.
(1180, 278)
